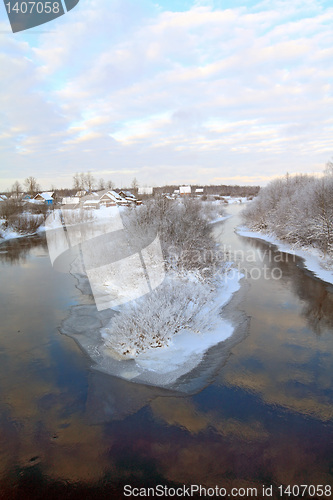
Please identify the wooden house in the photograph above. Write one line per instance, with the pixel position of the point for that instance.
(45, 197)
(110, 199)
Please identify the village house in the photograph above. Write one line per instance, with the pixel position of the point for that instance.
(145, 191)
(45, 197)
(185, 190)
(111, 199)
(70, 200)
(129, 197)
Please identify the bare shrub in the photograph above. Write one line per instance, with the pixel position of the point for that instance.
(73, 217)
(25, 223)
(10, 208)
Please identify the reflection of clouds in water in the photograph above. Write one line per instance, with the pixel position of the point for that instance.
(111, 398)
(42, 379)
(283, 359)
(293, 368)
(316, 295)
(44, 420)
(210, 446)
(183, 413)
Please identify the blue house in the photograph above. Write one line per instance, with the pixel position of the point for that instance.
(46, 197)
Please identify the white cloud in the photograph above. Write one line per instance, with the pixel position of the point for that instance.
(123, 87)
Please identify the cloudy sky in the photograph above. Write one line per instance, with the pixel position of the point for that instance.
(168, 91)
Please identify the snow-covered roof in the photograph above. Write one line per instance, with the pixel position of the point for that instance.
(80, 193)
(112, 196)
(116, 195)
(46, 195)
(199, 190)
(91, 202)
(127, 194)
(185, 189)
(3, 197)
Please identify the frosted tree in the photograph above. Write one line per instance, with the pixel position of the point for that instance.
(297, 209)
(185, 300)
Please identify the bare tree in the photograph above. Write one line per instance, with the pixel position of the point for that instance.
(329, 168)
(110, 185)
(77, 181)
(82, 181)
(31, 185)
(16, 189)
(90, 180)
(135, 185)
(101, 184)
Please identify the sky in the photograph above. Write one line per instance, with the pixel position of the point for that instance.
(168, 92)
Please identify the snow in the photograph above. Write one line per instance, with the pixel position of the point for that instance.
(235, 199)
(219, 219)
(8, 234)
(187, 347)
(314, 260)
(185, 361)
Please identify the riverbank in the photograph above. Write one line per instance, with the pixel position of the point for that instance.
(10, 234)
(314, 260)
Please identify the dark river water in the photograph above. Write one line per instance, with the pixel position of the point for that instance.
(264, 419)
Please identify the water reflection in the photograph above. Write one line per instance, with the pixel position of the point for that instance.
(316, 295)
(282, 359)
(16, 251)
(263, 415)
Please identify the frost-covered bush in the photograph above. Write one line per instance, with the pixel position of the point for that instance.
(296, 209)
(183, 229)
(185, 300)
(151, 321)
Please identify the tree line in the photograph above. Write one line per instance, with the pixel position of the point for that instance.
(298, 210)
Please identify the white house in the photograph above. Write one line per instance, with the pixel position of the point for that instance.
(184, 190)
(145, 190)
(70, 200)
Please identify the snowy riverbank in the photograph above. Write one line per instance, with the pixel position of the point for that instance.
(314, 260)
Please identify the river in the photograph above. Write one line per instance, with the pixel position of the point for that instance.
(264, 417)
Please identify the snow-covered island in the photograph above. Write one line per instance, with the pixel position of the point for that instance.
(296, 215)
(159, 334)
